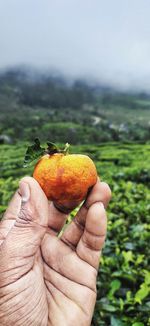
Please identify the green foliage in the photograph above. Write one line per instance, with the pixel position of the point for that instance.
(33, 152)
(123, 284)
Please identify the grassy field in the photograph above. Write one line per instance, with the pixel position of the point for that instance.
(124, 279)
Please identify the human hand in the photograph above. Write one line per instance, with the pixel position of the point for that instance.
(46, 280)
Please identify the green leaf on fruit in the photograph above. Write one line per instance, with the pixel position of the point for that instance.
(33, 152)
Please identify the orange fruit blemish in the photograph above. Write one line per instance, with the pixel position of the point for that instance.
(65, 179)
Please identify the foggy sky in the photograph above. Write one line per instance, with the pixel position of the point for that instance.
(101, 39)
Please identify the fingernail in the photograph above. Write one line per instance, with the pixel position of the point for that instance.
(24, 191)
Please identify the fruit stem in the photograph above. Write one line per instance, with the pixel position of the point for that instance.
(66, 149)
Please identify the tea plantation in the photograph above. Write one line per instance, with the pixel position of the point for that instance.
(123, 282)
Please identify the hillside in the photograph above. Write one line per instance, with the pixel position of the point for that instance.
(49, 106)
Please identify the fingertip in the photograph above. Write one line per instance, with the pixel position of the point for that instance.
(100, 193)
(33, 201)
(107, 191)
(28, 185)
(96, 221)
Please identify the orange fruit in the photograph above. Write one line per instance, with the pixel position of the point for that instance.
(65, 179)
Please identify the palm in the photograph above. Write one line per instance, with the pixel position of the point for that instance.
(57, 287)
(70, 284)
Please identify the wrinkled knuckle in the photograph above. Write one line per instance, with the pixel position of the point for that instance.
(25, 215)
(94, 242)
(78, 223)
(87, 243)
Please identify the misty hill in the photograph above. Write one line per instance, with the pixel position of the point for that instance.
(51, 106)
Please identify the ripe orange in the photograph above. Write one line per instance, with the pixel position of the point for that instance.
(65, 179)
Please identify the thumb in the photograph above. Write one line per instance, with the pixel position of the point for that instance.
(30, 225)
